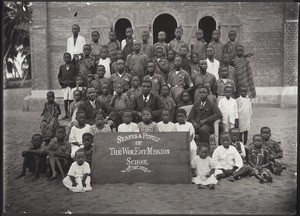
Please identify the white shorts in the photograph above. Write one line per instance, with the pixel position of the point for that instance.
(67, 92)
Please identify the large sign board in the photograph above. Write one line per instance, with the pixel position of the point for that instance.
(161, 158)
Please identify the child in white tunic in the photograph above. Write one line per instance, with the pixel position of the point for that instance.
(165, 125)
(203, 168)
(244, 111)
(228, 108)
(105, 61)
(78, 178)
(128, 125)
(183, 125)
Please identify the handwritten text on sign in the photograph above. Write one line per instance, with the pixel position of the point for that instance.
(141, 157)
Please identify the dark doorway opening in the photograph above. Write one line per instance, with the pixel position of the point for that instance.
(166, 23)
(120, 28)
(208, 25)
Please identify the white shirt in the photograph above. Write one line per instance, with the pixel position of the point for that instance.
(106, 63)
(146, 98)
(228, 109)
(78, 47)
(186, 127)
(131, 127)
(76, 133)
(169, 127)
(243, 153)
(78, 171)
(213, 67)
(227, 158)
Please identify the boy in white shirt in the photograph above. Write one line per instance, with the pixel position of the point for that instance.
(228, 108)
(212, 63)
(76, 42)
(128, 125)
(166, 125)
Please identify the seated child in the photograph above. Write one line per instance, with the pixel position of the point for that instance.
(244, 111)
(228, 108)
(106, 96)
(166, 125)
(234, 136)
(99, 125)
(59, 151)
(87, 140)
(185, 100)
(78, 178)
(170, 103)
(229, 163)
(258, 159)
(128, 125)
(223, 82)
(50, 115)
(119, 102)
(274, 150)
(77, 131)
(203, 168)
(74, 105)
(34, 157)
(135, 90)
(81, 86)
(183, 125)
(147, 125)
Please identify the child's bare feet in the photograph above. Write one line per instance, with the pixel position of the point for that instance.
(21, 175)
(201, 186)
(53, 177)
(211, 187)
(231, 179)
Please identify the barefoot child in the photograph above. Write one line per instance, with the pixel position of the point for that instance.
(170, 103)
(59, 151)
(78, 178)
(66, 78)
(258, 159)
(161, 42)
(99, 125)
(75, 137)
(217, 45)
(244, 112)
(183, 125)
(155, 77)
(50, 115)
(203, 168)
(229, 163)
(228, 108)
(128, 125)
(147, 125)
(274, 150)
(34, 157)
(88, 140)
(166, 125)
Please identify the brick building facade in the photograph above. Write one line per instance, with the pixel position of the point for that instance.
(268, 29)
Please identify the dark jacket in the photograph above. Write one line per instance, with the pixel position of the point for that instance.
(67, 77)
(210, 112)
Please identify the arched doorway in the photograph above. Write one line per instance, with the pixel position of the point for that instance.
(120, 28)
(208, 25)
(166, 23)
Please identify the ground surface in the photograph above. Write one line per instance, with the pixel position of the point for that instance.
(244, 196)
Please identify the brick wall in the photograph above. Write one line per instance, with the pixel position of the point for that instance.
(261, 30)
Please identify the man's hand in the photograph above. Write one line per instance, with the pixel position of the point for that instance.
(202, 122)
(196, 125)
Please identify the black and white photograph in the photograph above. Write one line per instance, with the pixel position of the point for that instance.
(151, 107)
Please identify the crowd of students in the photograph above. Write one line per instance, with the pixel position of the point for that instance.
(138, 87)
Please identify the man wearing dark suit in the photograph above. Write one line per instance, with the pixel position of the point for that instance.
(147, 99)
(91, 105)
(203, 115)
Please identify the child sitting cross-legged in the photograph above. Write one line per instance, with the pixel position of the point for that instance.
(203, 168)
(78, 178)
(99, 125)
(59, 151)
(229, 163)
(258, 159)
(34, 157)
(147, 125)
(166, 125)
(128, 125)
(88, 140)
(274, 150)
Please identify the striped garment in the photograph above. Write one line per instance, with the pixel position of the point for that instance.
(243, 75)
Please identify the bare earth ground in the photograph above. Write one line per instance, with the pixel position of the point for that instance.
(246, 196)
